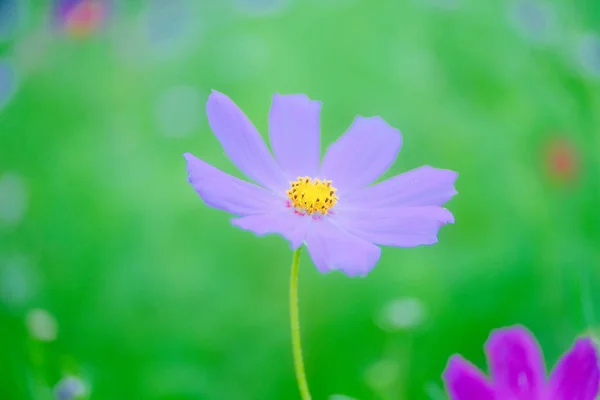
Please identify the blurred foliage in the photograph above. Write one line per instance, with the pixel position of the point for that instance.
(113, 271)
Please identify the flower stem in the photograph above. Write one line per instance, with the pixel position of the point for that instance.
(295, 320)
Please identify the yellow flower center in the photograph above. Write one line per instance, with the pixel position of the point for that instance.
(311, 196)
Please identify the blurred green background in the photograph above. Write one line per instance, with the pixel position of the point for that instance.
(116, 282)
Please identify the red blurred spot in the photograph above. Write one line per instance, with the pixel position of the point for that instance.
(86, 17)
(562, 160)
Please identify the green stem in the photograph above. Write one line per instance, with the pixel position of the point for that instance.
(295, 319)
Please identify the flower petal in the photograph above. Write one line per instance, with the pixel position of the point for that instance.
(464, 381)
(424, 186)
(228, 193)
(332, 248)
(295, 134)
(576, 376)
(400, 226)
(291, 226)
(516, 363)
(361, 155)
(242, 142)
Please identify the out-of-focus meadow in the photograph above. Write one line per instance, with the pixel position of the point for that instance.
(117, 282)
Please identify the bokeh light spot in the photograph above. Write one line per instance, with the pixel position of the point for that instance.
(171, 28)
(41, 325)
(179, 111)
(18, 281)
(589, 54)
(8, 82)
(533, 19)
(13, 198)
(402, 314)
(70, 388)
(12, 13)
(382, 374)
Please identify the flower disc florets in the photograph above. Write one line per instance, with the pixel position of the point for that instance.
(310, 196)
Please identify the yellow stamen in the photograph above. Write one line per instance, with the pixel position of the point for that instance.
(311, 196)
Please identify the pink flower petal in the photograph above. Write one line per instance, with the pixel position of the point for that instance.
(516, 364)
(576, 376)
(465, 382)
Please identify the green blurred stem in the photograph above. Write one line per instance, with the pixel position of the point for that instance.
(295, 319)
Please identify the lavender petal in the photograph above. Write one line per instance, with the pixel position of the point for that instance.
(424, 186)
(464, 381)
(400, 226)
(295, 134)
(291, 226)
(332, 248)
(516, 363)
(576, 376)
(361, 155)
(242, 143)
(228, 193)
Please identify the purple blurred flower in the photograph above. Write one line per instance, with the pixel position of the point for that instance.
(64, 7)
(70, 388)
(81, 17)
(517, 369)
(329, 205)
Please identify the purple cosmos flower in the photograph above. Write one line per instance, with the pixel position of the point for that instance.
(518, 372)
(329, 206)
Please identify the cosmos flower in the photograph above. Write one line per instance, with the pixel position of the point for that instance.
(330, 205)
(517, 369)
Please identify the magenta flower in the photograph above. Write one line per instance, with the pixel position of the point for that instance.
(518, 373)
(329, 206)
